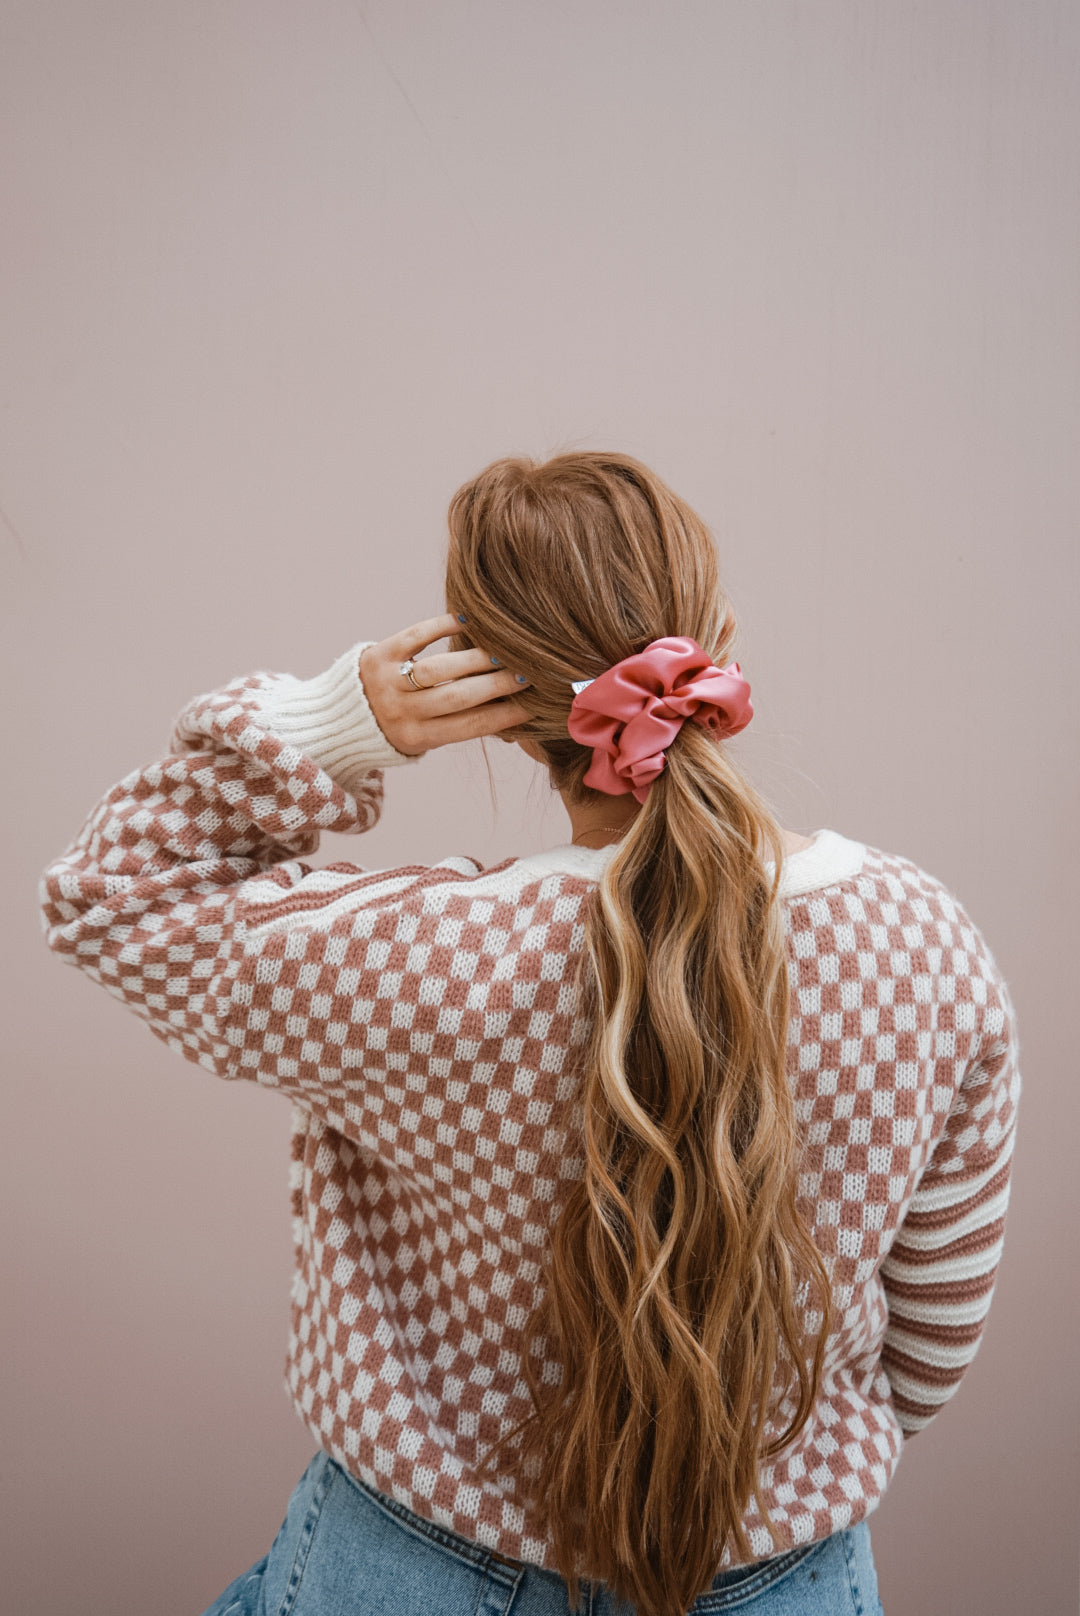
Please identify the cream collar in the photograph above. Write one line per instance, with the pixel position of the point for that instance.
(829, 858)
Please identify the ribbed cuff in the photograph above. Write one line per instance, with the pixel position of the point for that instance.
(329, 719)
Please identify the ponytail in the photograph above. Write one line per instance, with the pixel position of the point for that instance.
(681, 1275)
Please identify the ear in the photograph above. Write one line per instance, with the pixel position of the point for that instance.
(528, 746)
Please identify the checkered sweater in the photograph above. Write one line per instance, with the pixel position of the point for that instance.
(422, 1023)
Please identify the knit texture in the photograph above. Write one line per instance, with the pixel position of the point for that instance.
(422, 1022)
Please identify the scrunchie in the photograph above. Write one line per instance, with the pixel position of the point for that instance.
(633, 710)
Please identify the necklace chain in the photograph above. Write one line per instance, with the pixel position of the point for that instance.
(593, 830)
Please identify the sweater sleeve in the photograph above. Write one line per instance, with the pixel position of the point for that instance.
(941, 1270)
(152, 898)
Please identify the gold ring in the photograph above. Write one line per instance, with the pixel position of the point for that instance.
(407, 669)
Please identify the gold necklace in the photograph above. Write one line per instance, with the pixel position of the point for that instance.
(593, 830)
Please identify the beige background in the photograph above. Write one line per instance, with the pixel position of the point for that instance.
(277, 278)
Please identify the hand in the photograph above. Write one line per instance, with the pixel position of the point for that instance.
(463, 695)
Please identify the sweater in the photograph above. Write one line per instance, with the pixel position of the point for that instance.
(422, 1023)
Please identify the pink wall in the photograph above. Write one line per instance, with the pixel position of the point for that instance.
(276, 278)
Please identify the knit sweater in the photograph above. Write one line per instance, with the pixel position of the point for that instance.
(422, 1023)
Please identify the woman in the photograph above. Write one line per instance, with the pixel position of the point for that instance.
(649, 1191)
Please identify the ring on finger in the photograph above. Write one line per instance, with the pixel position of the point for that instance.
(406, 668)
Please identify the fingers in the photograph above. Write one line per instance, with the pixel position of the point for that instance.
(456, 695)
(447, 665)
(409, 642)
(475, 721)
(462, 696)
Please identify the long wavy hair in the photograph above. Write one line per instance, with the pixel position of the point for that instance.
(682, 1278)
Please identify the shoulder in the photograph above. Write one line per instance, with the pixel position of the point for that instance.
(906, 893)
(866, 878)
(901, 920)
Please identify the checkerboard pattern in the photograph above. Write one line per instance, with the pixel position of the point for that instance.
(422, 1022)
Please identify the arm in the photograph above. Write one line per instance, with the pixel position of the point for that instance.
(940, 1273)
(151, 898)
(157, 894)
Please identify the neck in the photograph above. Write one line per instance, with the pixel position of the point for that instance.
(597, 824)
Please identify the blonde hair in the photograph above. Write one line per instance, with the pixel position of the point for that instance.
(681, 1272)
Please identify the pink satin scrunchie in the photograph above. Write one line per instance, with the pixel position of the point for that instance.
(633, 710)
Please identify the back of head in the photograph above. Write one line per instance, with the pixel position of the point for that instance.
(678, 1297)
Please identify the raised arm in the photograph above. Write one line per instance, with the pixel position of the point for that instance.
(150, 897)
(157, 893)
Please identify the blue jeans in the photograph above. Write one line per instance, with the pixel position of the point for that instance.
(346, 1550)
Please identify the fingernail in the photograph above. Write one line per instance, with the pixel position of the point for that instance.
(520, 677)
(461, 617)
(496, 661)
